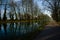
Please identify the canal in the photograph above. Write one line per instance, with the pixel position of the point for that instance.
(13, 30)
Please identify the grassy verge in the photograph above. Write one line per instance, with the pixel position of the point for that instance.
(12, 21)
(58, 23)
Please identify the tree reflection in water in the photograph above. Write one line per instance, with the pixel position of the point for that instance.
(5, 27)
(0, 26)
(17, 29)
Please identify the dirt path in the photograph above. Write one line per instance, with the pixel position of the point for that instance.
(52, 23)
(49, 34)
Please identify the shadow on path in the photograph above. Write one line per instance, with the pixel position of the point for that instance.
(49, 34)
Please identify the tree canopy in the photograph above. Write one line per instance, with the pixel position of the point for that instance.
(54, 7)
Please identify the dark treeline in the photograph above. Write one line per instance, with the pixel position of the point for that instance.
(17, 10)
(27, 9)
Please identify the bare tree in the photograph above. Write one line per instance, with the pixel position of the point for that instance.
(0, 8)
(53, 6)
(4, 16)
(0, 14)
(13, 9)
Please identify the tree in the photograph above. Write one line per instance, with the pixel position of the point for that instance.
(19, 9)
(27, 6)
(31, 6)
(36, 9)
(53, 6)
(27, 16)
(11, 15)
(0, 2)
(0, 14)
(0, 8)
(4, 16)
(13, 10)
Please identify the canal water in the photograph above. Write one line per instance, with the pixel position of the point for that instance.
(17, 29)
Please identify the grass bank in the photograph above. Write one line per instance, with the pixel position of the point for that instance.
(12, 21)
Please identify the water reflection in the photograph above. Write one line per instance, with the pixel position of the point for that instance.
(5, 25)
(19, 28)
(0, 26)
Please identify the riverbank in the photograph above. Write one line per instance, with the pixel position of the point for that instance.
(12, 21)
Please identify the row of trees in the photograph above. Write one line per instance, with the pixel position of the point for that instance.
(54, 7)
(29, 7)
(19, 9)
